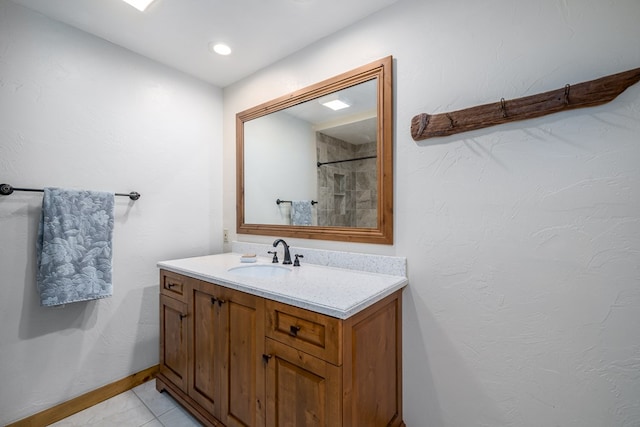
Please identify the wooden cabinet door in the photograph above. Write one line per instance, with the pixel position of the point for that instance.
(204, 331)
(242, 399)
(302, 390)
(173, 340)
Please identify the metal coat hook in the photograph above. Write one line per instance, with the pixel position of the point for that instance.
(503, 107)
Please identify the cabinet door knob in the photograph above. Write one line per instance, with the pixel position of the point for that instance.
(216, 300)
(266, 358)
(293, 330)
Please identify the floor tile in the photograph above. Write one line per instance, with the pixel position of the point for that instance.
(157, 402)
(178, 417)
(153, 423)
(142, 406)
(125, 409)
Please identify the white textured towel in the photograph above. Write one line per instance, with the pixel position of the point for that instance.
(301, 212)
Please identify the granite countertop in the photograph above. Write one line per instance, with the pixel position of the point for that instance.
(337, 292)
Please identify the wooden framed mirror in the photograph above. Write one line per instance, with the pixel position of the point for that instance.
(332, 168)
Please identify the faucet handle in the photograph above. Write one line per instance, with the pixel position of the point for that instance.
(296, 262)
(275, 256)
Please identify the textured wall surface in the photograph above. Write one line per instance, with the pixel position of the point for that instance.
(523, 240)
(79, 112)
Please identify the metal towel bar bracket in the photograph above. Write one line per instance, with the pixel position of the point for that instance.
(6, 189)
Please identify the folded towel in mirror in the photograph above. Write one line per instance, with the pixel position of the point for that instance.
(73, 248)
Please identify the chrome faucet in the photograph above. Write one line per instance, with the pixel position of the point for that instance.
(287, 255)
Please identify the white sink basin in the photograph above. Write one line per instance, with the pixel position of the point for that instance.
(260, 270)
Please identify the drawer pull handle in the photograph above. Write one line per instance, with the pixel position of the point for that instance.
(266, 358)
(182, 316)
(171, 285)
(293, 330)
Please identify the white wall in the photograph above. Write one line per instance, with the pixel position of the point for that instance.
(523, 240)
(79, 112)
(283, 148)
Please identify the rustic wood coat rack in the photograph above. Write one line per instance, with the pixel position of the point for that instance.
(587, 94)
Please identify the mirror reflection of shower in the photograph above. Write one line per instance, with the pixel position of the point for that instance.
(347, 175)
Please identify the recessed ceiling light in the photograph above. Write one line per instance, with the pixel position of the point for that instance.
(219, 48)
(141, 5)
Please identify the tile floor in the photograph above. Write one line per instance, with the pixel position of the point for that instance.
(138, 407)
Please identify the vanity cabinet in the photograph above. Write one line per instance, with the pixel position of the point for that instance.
(236, 359)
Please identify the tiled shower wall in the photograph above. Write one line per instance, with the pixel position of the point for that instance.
(347, 192)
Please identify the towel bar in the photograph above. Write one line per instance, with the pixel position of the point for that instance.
(278, 201)
(6, 189)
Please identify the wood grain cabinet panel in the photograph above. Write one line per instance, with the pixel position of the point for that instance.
(242, 388)
(239, 360)
(302, 390)
(203, 351)
(373, 372)
(173, 341)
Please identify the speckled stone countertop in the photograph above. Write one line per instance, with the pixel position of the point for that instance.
(336, 292)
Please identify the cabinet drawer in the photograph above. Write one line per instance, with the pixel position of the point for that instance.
(314, 333)
(172, 284)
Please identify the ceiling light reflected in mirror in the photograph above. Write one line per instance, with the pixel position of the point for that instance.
(141, 5)
(334, 102)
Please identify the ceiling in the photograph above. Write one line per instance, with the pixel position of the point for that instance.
(177, 33)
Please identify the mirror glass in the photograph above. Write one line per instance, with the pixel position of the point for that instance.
(317, 163)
